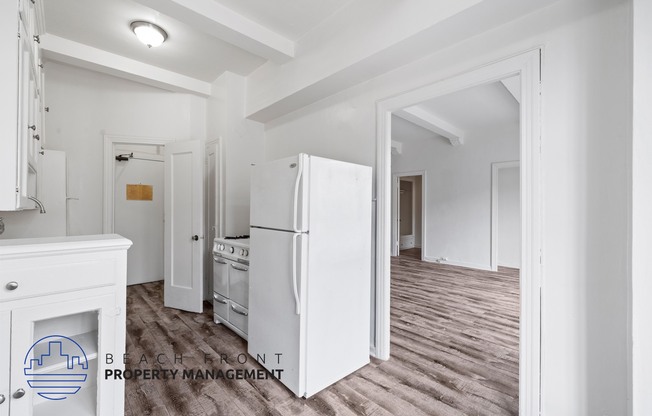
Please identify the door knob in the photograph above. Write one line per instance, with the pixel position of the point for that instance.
(19, 393)
(195, 237)
(2, 398)
(12, 286)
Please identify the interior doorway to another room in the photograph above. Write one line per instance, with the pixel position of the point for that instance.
(462, 237)
(408, 214)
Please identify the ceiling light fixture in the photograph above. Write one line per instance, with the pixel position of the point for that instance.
(148, 33)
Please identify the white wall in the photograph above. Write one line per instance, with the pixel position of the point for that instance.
(243, 145)
(641, 205)
(586, 103)
(508, 218)
(52, 193)
(85, 105)
(458, 194)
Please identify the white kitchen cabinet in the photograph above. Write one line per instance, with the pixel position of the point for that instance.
(21, 104)
(62, 310)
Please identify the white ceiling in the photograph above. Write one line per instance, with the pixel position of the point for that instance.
(483, 107)
(289, 18)
(104, 24)
(452, 116)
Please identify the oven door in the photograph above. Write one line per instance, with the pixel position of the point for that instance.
(220, 275)
(239, 283)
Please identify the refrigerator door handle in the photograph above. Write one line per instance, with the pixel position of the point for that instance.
(296, 195)
(295, 287)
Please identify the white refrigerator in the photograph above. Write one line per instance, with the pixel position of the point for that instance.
(310, 270)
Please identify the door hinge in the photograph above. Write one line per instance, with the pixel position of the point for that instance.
(17, 190)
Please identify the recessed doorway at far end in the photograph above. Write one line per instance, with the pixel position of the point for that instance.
(408, 214)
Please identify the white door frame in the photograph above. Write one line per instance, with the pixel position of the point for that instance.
(495, 167)
(396, 212)
(527, 65)
(110, 144)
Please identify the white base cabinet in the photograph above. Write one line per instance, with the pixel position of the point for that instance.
(62, 310)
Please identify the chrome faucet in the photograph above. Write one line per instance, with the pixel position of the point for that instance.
(39, 203)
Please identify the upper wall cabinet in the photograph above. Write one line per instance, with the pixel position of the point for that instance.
(21, 102)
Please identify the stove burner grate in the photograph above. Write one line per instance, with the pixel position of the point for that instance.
(237, 237)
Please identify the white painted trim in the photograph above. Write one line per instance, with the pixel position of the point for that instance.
(469, 265)
(495, 167)
(528, 66)
(110, 142)
(219, 191)
(83, 56)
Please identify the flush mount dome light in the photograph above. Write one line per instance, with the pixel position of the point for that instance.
(148, 33)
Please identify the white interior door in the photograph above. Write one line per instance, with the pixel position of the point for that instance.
(184, 285)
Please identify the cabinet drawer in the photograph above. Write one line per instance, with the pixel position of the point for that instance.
(48, 278)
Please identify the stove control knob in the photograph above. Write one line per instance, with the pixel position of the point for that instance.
(241, 252)
(231, 250)
(221, 247)
(246, 253)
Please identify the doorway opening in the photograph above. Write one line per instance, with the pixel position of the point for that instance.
(134, 202)
(527, 67)
(408, 213)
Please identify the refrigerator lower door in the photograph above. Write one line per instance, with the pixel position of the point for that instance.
(276, 336)
(274, 194)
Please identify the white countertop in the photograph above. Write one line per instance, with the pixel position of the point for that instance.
(53, 244)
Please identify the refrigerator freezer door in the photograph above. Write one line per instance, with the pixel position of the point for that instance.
(273, 191)
(274, 327)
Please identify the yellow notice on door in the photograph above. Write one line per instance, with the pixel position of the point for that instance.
(139, 192)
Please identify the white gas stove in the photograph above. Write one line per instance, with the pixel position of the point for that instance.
(231, 283)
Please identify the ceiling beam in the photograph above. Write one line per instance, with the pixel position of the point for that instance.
(513, 85)
(221, 22)
(84, 56)
(428, 121)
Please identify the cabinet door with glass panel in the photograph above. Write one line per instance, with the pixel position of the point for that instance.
(56, 358)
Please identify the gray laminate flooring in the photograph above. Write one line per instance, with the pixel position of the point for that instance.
(454, 351)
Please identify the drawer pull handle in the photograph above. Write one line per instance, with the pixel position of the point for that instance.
(19, 393)
(2, 398)
(219, 300)
(242, 269)
(238, 312)
(218, 261)
(12, 286)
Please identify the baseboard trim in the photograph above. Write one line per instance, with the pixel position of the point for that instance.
(477, 266)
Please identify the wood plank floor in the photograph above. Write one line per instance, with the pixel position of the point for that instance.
(454, 351)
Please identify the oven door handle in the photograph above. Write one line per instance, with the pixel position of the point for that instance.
(242, 269)
(217, 260)
(239, 312)
(219, 299)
